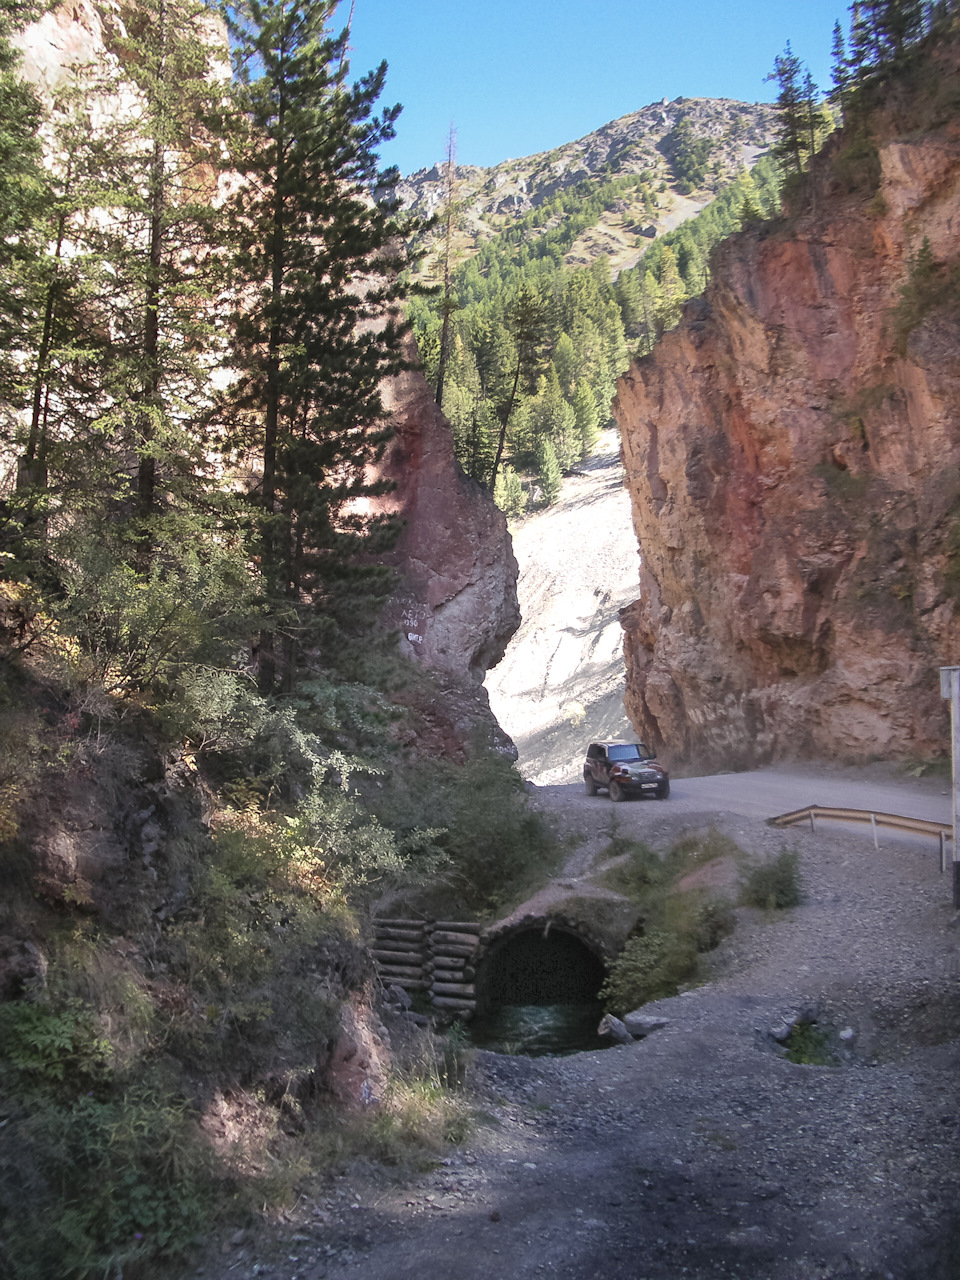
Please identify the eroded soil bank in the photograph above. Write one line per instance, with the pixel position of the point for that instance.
(698, 1151)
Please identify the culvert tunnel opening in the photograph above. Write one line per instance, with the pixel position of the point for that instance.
(538, 992)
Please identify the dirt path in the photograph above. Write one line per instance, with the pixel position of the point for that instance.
(698, 1152)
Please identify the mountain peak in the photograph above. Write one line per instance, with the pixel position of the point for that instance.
(686, 150)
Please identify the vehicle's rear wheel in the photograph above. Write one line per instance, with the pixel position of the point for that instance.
(663, 793)
(590, 783)
(616, 791)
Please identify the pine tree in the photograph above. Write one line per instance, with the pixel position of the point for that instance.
(566, 364)
(586, 417)
(168, 58)
(671, 291)
(120, 334)
(548, 469)
(553, 419)
(509, 494)
(449, 222)
(69, 379)
(651, 307)
(792, 124)
(315, 262)
(22, 194)
(840, 69)
(526, 317)
(152, 167)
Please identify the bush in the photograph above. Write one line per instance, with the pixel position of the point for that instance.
(772, 885)
(649, 967)
(929, 285)
(495, 846)
(99, 1170)
(643, 870)
(809, 1045)
(857, 165)
(714, 921)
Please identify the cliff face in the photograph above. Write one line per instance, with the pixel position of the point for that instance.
(792, 456)
(455, 607)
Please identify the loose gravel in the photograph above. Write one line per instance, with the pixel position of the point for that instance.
(700, 1151)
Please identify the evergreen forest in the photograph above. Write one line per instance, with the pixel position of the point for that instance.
(531, 347)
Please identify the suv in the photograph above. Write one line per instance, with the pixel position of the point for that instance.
(625, 769)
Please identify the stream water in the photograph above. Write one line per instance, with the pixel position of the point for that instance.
(540, 1029)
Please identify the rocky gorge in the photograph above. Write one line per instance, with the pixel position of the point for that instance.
(792, 456)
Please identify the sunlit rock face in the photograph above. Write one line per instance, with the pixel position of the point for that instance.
(81, 34)
(455, 605)
(63, 39)
(792, 461)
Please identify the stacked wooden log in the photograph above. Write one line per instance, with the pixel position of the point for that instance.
(437, 957)
(453, 945)
(400, 950)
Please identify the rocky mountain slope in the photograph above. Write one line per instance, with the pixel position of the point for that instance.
(792, 457)
(561, 683)
(647, 141)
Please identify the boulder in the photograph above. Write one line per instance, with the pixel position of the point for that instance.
(354, 1067)
(614, 1028)
(639, 1023)
(23, 966)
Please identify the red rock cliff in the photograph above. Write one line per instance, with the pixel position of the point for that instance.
(455, 607)
(792, 456)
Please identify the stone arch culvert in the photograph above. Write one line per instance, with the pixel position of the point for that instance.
(529, 984)
(538, 960)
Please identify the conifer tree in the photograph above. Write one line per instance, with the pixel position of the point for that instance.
(449, 220)
(509, 495)
(586, 417)
(63, 333)
(168, 61)
(316, 325)
(120, 333)
(650, 310)
(671, 291)
(792, 125)
(526, 316)
(548, 468)
(840, 69)
(22, 193)
(566, 364)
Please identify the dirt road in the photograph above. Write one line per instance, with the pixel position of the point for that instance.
(698, 1151)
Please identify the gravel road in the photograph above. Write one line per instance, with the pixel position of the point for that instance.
(698, 1151)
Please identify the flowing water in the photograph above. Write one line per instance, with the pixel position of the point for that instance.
(540, 1029)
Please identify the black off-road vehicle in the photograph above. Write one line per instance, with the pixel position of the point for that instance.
(624, 769)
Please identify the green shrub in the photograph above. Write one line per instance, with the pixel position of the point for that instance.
(699, 848)
(100, 1182)
(808, 1045)
(929, 286)
(46, 1044)
(772, 885)
(650, 966)
(713, 921)
(643, 870)
(494, 845)
(857, 165)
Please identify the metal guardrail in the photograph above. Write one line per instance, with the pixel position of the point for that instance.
(942, 831)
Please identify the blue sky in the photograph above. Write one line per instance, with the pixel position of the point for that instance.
(520, 76)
